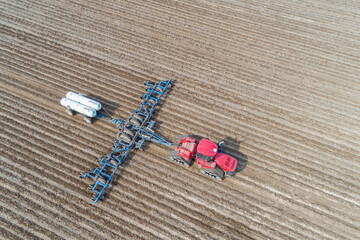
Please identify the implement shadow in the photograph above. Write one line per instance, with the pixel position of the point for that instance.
(231, 147)
(120, 172)
(156, 113)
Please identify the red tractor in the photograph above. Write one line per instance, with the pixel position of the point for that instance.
(210, 159)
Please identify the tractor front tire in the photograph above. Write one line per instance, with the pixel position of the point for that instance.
(216, 173)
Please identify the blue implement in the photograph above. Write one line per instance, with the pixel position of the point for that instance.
(133, 132)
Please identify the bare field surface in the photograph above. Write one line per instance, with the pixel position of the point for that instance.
(283, 75)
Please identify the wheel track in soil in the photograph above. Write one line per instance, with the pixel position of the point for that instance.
(9, 233)
(296, 167)
(183, 13)
(55, 196)
(27, 195)
(44, 222)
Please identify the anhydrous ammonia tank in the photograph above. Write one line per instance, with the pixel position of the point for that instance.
(78, 107)
(84, 100)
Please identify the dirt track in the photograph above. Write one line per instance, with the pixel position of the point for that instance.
(284, 75)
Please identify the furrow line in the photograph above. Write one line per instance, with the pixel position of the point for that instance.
(337, 83)
(102, 215)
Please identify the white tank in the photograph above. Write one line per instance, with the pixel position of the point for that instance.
(78, 107)
(84, 100)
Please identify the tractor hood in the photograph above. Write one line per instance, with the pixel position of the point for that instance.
(207, 148)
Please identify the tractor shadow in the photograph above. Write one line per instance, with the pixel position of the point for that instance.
(108, 107)
(231, 147)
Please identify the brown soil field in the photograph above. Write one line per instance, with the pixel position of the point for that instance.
(282, 75)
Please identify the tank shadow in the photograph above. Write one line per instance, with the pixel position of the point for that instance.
(108, 107)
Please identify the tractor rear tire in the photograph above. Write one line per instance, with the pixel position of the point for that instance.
(216, 173)
(174, 156)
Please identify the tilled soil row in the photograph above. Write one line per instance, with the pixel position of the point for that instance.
(280, 75)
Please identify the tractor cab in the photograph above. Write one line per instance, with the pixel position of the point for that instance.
(206, 150)
(209, 157)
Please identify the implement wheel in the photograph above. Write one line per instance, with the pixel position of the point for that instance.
(137, 116)
(88, 120)
(125, 137)
(70, 112)
(135, 122)
(129, 131)
(159, 89)
(152, 101)
(216, 173)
